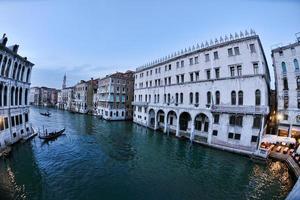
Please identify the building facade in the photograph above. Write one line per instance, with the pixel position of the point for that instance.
(115, 94)
(214, 93)
(287, 82)
(35, 96)
(15, 74)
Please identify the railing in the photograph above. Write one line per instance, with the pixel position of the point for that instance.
(240, 109)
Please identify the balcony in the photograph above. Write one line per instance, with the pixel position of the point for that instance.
(240, 109)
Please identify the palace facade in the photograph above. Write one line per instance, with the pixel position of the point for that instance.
(115, 94)
(216, 93)
(15, 74)
(287, 83)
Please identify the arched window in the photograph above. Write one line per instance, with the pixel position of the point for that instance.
(18, 72)
(20, 96)
(12, 92)
(5, 96)
(241, 98)
(296, 64)
(197, 97)
(3, 66)
(233, 98)
(15, 70)
(8, 68)
(283, 65)
(28, 74)
(176, 98)
(26, 96)
(217, 97)
(22, 73)
(208, 97)
(191, 98)
(257, 97)
(16, 96)
(181, 98)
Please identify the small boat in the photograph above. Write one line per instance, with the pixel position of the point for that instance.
(51, 135)
(46, 114)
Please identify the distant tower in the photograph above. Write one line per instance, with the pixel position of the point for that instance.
(64, 82)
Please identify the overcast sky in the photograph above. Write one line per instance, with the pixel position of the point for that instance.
(93, 38)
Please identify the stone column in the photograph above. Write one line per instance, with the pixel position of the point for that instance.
(155, 121)
(192, 130)
(210, 130)
(166, 123)
(177, 127)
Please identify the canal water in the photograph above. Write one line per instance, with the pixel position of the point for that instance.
(120, 160)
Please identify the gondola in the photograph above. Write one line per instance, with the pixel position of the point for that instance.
(51, 135)
(46, 114)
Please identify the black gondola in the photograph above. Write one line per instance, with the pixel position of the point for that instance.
(46, 114)
(51, 135)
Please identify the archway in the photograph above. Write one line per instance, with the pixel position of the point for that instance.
(151, 119)
(184, 121)
(160, 119)
(201, 123)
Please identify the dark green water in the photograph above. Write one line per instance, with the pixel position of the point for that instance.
(120, 160)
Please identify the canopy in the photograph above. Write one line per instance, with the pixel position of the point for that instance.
(275, 139)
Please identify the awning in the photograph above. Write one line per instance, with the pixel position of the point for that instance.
(296, 128)
(284, 128)
(275, 139)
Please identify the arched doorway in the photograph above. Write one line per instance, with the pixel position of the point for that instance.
(151, 119)
(160, 119)
(184, 121)
(201, 127)
(171, 122)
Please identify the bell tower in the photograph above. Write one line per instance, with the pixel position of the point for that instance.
(64, 82)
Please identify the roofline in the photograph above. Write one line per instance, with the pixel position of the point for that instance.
(5, 48)
(285, 47)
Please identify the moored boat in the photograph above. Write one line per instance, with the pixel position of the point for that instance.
(51, 135)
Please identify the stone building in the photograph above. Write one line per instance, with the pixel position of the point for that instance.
(287, 83)
(84, 95)
(15, 74)
(115, 94)
(216, 93)
(35, 96)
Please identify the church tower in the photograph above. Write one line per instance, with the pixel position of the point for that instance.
(64, 82)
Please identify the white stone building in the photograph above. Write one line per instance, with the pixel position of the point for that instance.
(15, 73)
(214, 93)
(115, 94)
(287, 82)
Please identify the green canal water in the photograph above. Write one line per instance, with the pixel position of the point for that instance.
(120, 160)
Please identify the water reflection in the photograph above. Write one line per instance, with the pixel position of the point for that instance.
(121, 160)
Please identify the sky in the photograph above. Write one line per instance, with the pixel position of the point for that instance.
(92, 38)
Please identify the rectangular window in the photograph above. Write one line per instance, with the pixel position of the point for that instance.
(182, 63)
(232, 71)
(216, 118)
(170, 66)
(166, 67)
(216, 55)
(237, 136)
(239, 70)
(6, 122)
(215, 132)
(182, 78)
(285, 84)
(12, 121)
(254, 138)
(177, 78)
(217, 72)
(252, 48)
(191, 61)
(208, 74)
(206, 57)
(257, 122)
(196, 60)
(230, 52)
(197, 76)
(1, 124)
(230, 135)
(177, 64)
(255, 68)
(191, 77)
(236, 51)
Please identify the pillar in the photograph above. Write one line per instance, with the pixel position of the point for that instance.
(155, 121)
(166, 123)
(177, 126)
(192, 130)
